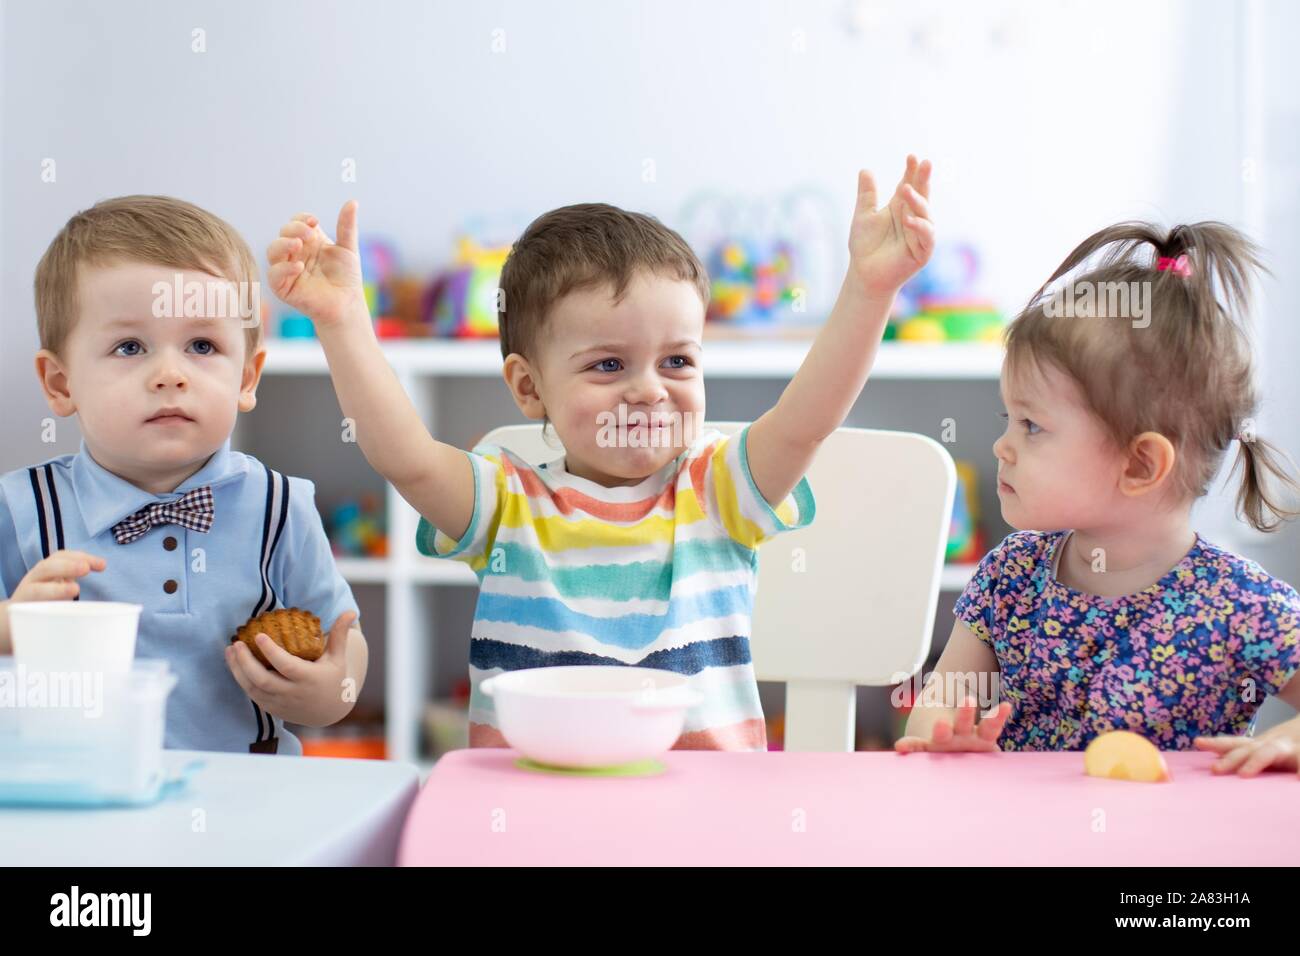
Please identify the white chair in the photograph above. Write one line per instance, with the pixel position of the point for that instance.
(850, 599)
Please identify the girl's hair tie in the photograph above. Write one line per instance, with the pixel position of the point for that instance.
(1180, 266)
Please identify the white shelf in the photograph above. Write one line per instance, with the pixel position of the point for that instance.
(955, 577)
(723, 358)
(420, 570)
(441, 571)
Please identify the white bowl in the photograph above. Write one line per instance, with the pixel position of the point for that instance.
(590, 716)
(74, 636)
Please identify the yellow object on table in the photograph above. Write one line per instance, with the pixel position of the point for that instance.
(1124, 755)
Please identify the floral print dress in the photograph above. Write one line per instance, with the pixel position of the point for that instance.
(1194, 654)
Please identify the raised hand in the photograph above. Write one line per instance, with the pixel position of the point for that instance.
(319, 278)
(887, 246)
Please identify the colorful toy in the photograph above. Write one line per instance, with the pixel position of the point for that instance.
(296, 326)
(965, 536)
(939, 303)
(1124, 755)
(357, 528)
(378, 266)
(462, 302)
(752, 281)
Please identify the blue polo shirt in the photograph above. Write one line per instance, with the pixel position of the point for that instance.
(266, 549)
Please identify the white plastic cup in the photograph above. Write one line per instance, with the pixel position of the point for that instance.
(81, 636)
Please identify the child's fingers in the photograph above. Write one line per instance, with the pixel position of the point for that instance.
(282, 249)
(346, 233)
(1233, 759)
(307, 218)
(50, 590)
(866, 191)
(294, 229)
(919, 236)
(1219, 745)
(909, 170)
(285, 664)
(96, 562)
(922, 179)
(991, 727)
(266, 682)
(282, 276)
(237, 671)
(941, 733)
(909, 745)
(337, 646)
(915, 201)
(964, 726)
(61, 566)
(1275, 751)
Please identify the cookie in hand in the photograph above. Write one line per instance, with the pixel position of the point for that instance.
(294, 629)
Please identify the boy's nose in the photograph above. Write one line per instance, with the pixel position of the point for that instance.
(647, 390)
(168, 376)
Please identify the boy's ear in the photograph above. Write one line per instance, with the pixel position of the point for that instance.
(1151, 457)
(522, 381)
(54, 382)
(252, 375)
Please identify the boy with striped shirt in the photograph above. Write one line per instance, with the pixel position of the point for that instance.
(639, 544)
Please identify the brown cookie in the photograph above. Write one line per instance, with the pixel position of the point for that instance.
(294, 629)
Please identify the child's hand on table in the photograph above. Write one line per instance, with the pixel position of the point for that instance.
(887, 246)
(962, 734)
(319, 278)
(298, 691)
(1277, 748)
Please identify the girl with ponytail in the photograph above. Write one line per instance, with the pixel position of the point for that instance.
(1127, 379)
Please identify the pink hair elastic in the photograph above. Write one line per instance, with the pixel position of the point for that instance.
(1179, 266)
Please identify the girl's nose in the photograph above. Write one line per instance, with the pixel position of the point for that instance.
(1002, 450)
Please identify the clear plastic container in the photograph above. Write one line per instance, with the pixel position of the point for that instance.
(82, 738)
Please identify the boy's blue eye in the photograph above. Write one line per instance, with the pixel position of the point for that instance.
(684, 360)
(117, 350)
(603, 362)
(209, 347)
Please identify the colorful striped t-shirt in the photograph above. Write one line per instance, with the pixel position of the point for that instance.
(657, 574)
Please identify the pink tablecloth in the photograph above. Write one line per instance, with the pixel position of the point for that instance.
(477, 808)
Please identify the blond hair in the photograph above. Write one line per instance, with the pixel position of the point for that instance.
(153, 229)
(1188, 374)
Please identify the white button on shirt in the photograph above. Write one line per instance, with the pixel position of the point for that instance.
(266, 549)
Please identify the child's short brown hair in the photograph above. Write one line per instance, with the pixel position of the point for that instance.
(576, 247)
(153, 229)
(1185, 371)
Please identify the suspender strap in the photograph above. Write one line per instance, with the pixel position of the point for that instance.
(49, 516)
(273, 520)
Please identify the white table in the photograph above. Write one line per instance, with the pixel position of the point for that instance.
(238, 810)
